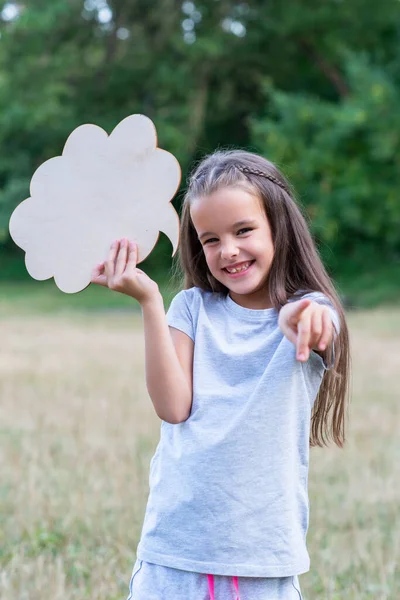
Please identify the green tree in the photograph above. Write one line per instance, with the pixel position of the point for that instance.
(214, 73)
(344, 158)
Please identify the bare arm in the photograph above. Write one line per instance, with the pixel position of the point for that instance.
(168, 353)
(169, 360)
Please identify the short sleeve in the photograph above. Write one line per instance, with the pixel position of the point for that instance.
(180, 313)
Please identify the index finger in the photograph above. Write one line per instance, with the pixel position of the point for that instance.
(327, 332)
(303, 338)
(298, 307)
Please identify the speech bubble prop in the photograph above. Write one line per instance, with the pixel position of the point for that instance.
(101, 189)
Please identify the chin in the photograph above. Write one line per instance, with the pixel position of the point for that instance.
(243, 291)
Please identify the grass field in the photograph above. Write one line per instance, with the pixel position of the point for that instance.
(78, 430)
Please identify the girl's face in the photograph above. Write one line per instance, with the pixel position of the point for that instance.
(237, 242)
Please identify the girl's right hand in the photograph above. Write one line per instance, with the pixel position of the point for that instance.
(119, 273)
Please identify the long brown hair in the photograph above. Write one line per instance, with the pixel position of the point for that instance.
(296, 266)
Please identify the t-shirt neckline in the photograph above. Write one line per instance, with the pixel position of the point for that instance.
(247, 313)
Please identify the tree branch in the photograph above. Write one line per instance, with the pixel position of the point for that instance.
(198, 111)
(330, 71)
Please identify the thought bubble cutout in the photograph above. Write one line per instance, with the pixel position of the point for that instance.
(102, 188)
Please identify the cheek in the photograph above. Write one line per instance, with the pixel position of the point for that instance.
(261, 246)
(209, 257)
(264, 251)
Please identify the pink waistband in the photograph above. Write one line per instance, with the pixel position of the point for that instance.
(210, 579)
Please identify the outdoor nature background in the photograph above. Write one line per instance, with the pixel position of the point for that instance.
(314, 85)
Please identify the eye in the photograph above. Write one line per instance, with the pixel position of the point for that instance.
(245, 229)
(209, 240)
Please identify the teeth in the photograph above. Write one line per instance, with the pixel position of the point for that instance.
(245, 266)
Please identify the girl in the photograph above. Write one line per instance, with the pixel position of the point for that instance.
(252, 369)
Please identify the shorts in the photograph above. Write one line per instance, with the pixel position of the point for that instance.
(155, 582)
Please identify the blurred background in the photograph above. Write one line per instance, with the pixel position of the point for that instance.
(314, 85)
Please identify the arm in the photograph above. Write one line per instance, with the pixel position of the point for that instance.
(169, 364)
(308, 325)
(168, 355)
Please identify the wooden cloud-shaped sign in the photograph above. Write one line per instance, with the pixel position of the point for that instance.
(101, 189)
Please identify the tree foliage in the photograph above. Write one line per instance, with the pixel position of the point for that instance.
(344, 158)
(312, 85)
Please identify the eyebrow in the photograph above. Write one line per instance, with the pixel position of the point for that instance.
(238, 224)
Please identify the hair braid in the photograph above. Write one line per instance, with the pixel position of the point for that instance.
(259, 173)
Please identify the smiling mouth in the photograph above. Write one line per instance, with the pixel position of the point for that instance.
(240, 269)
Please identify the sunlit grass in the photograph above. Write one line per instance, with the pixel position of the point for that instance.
(78, 430)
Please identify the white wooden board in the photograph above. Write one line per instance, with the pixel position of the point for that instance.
(101, 189)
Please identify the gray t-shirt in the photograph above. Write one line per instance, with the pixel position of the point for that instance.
(228, 486)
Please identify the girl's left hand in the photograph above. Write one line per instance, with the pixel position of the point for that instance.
(308, 325)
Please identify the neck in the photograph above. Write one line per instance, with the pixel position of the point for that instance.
(257, 300)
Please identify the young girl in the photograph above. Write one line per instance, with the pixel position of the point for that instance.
(252, 369)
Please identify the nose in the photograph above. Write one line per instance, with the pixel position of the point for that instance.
(229, 249)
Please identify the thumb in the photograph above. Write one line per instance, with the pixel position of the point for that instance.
(98, 276)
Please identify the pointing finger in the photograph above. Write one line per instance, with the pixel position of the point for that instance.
(298, 308)
(316, 327)
(327, 330)
(303, 338)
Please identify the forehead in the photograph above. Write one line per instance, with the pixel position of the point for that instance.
(224, 207)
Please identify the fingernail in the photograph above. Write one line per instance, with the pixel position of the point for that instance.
(300, 356)
(322, 346)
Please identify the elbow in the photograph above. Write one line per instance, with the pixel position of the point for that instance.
(175, 418)
(174, 421)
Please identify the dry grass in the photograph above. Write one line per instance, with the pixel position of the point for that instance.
(78, 431)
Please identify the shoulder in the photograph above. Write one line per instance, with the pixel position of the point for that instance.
(188, 308)
(196, 304)
(193, 296)
(189, 297)
(191, 301)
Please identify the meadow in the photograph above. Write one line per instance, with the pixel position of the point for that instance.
(77, 432)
